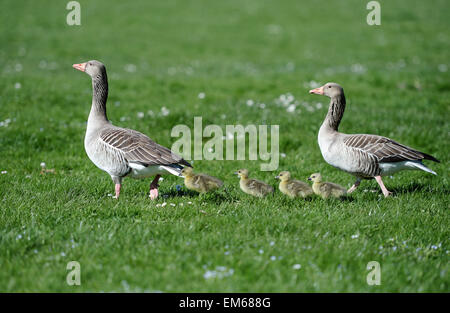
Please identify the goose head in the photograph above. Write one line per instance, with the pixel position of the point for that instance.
(187, 172)
(93, 68)
(315, 178)
(242, 173)
(331, 90)
(284, 176)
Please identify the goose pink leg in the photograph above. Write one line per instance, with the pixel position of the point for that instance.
(386, 192)
(154, 188)
(117, 191)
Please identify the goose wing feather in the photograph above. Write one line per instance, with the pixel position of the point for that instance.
(137, 147)
(384, 149)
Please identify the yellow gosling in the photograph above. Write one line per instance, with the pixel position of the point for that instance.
(253, 187)
(200, 182)
(326, 189)
(293, 188)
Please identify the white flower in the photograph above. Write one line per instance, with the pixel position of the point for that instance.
(250, 102)
(273, 258)
(42, 164)
(140, 114)
(297, 266)
(355, 236)
(172, 204)
(42, 64)
(131, 68)
(4, 172)
(442, 68)
(164, 204)
(291, 108)
(272, 243)
(164, 111)
(201, 95)
(358, 68)
(17, 85)
(261, 251)
(262, 105)
(283, 155)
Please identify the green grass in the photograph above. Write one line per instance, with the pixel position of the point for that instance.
(232, 51)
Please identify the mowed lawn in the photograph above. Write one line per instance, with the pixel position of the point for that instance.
(254, 62)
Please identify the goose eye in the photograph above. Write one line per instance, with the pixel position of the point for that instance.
(329, 86)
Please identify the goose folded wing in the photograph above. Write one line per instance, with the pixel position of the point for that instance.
(137, 147)
(384, 149)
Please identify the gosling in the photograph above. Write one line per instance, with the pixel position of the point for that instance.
(201, 183)
(293, 188)
(326, 189)
(253, 187)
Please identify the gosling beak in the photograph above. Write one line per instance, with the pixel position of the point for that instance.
(317, 91)
(80, 66)
(277, 177)
(309, 178)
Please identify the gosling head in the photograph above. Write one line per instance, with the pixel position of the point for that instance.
(284, 176)
(331, 90)
(187, 171)
(315, 178)
(93, 68)
(242, 173)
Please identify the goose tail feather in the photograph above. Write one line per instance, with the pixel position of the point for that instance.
(422, 167)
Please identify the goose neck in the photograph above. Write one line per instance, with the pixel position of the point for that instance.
(99, 97)
(335, 113)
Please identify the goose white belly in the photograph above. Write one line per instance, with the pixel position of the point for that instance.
(394, 167)
(140, 171)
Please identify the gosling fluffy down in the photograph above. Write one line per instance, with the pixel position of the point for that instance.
(326, 189)
(253, 187)
(200, 182)
(293, 188)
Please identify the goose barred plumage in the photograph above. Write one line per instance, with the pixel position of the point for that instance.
(120, 151)
(364, 156)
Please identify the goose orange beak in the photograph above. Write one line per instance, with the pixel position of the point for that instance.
(80, 66)
(317, 91)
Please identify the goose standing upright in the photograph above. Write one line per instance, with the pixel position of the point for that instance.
(120, 151)
(364, 156)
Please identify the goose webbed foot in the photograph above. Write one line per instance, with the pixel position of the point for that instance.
(386, 192)
(154, 188)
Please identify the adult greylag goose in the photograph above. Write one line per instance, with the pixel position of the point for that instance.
(364, 156)
(120, 151)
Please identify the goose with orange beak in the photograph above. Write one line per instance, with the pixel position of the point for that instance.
(364, 156)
